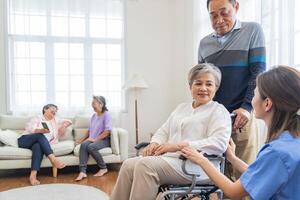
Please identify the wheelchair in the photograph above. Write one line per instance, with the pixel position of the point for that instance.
(187, 192)
(195, 189)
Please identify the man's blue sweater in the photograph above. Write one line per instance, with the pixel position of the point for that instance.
(240, 58)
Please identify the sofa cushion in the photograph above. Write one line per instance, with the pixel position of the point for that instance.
(81, 121)
(63, 147)
(9, 137)
(68, 135)
(79, 133)
(13, 122)
(13, 153)
(104, 151)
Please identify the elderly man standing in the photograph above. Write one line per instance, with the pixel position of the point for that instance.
(238, 49)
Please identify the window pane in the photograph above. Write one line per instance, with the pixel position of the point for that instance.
(98, 8)
(114, 9)
(38, 99)
(114, 83)
(77, 99)
(22, 66)
(37, 66)
(19, 24)
(114, 28)
(99, 83)
(38, 25)
(99, 51)
(114, 51)
(38, 83)
(77, 27)
(114, 68)
(20, 49)
(62, 99)
(61, 67)
(297, 16)
(114, 100)
(97, 28)
(37, 49)
(22, 83)
(62, 83)
(22, 98)
(76, 67)
(297, 49)
(77, 83)
(76, 51)
(99, 67)
(61, 50)
(59, 26)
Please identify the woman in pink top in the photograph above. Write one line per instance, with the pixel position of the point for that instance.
(40, 132)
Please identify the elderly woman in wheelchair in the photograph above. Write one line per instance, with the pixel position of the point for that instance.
(202, 124)
(275, 174)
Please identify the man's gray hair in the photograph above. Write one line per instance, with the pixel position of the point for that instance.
(204, 68)
(233, 2)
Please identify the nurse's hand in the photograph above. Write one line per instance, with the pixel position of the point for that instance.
(230, 152)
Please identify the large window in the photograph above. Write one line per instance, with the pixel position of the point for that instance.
(63, 52)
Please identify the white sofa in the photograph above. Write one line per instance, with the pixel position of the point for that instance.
(12, 157)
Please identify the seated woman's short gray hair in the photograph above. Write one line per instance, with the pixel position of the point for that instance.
(204, 68)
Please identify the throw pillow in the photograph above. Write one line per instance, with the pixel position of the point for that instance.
(9, 137)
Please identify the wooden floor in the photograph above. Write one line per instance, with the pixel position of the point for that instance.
(10, 179)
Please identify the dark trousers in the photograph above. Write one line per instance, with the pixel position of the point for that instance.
(39, 146)
(92, 148)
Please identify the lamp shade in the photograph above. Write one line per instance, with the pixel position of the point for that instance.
(136, 82)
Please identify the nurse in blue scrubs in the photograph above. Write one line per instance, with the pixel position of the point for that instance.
(275, 174)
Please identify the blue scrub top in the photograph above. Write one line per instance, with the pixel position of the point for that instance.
(275, 174)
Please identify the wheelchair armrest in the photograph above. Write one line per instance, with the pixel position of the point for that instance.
(141, 145)
(192, 169)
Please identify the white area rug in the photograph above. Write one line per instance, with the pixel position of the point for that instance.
(54, 192)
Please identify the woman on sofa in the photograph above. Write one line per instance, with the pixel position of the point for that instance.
(96, 138)
(202, 123)
(40, 132)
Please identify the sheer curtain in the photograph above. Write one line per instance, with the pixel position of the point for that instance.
(63, 52)
(281, 24)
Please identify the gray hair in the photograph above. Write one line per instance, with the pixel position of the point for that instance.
(47, 106)
(204, 68)
(101, 100)
(233, 2)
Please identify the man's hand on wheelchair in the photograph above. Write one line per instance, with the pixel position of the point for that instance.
(150, 149)
(193, 155)
(242, 117)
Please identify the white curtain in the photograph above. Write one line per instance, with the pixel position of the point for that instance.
(63, 52)
(281, 24)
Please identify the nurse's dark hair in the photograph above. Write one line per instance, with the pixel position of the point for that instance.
(233, 2)
(282, 85)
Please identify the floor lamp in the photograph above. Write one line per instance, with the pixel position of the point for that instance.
(136, 83)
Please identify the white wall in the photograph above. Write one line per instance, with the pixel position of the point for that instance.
(160, 48)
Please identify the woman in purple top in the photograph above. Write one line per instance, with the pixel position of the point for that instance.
(96, 138)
